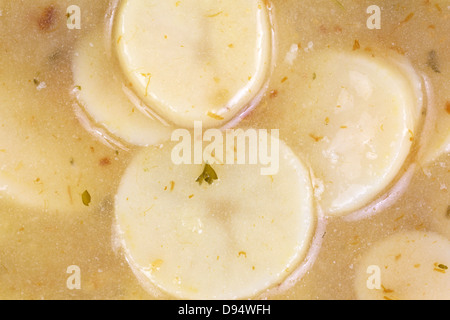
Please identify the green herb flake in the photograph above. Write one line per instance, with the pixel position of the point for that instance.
(442, 266)
(86, 198)
(36, 82)
(447, 215)
(55, 55)
(208, 175)
(433, 62)
(339, 4)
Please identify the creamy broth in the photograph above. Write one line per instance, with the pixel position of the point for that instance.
(47, 228)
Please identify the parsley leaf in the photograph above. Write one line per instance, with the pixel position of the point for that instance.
(208, 175)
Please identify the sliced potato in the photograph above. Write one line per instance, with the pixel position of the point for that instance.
(195, 59)
(47, 160)
(409, 265)
(359, 116)
(102, 93)
(230, 239)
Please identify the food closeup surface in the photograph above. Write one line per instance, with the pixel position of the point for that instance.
(225, 149)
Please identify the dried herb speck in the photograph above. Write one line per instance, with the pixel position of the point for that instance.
(433, 62)
(208, 175)
(86, 198)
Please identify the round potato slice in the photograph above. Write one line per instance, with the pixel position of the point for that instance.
(47, 161)
(406, 266)
(357, 119)
(101, 91)
(195, 59)
(230, 239)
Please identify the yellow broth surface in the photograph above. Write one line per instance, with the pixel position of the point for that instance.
(39, 242)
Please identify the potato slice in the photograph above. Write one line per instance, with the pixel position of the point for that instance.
(101, 91)
(195, 59)
(410, 265)
(357, 119)
(230, 239)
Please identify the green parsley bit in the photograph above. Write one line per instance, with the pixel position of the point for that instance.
(433, 62)
(86, 197)
(208, 175)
